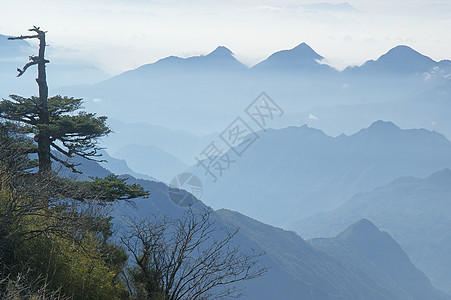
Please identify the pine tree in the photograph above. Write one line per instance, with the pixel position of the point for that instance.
(57, 122)
(56, 235)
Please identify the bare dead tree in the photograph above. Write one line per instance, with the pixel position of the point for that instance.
(43, 138)
(189, 258)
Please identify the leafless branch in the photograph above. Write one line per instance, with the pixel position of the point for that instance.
(34, 60)
(188, 258)
(66, 163)
(23, 37)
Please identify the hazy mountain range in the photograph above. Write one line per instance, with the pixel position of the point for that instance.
(380, 256)
(429, 109)
(292, 173)
(318, 182)
(299, 270)
(284, 162)
(414, 210)
(203, 94)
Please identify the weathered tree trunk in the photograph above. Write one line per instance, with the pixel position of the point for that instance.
(43, 136)
(45, 163)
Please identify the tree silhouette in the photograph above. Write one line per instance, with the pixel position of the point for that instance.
(187, 258)
(57, 122)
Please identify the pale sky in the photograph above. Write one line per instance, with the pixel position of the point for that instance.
(117, 35)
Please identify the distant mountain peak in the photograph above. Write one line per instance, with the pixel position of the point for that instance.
(442, 176)
(402, 49)
(221, 57)
(364, 225)
(303, 48)
(301, 57)
(170, 59)
(403, 52)
(383, 125)
(304, 130)
(363, 245)
(401, 59)
(360, 229)
(379, 128)
(221, 51)
(301, 51)
(224, 57)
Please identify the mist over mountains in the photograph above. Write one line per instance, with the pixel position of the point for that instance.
(300, 268)
(351, 147)
(414, 210)
(209, 91)
(363, 244)
(203, 94)
(292, 173)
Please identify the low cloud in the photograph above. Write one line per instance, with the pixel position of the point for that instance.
(329, 7)
(427, 76)
(265, 8)
(312, 117)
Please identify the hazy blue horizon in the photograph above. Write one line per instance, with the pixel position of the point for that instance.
(120, 35)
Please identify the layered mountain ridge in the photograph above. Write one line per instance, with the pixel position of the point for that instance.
(297, 268)
(414, 210)
(381, 257)
(308, 171)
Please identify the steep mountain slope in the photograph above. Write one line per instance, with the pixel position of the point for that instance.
(298, 270)
(292, 173)
(311, 268)
(415, 211)
(363, 245)
(277, 283)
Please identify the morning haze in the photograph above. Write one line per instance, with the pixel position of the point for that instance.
(252, 149)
